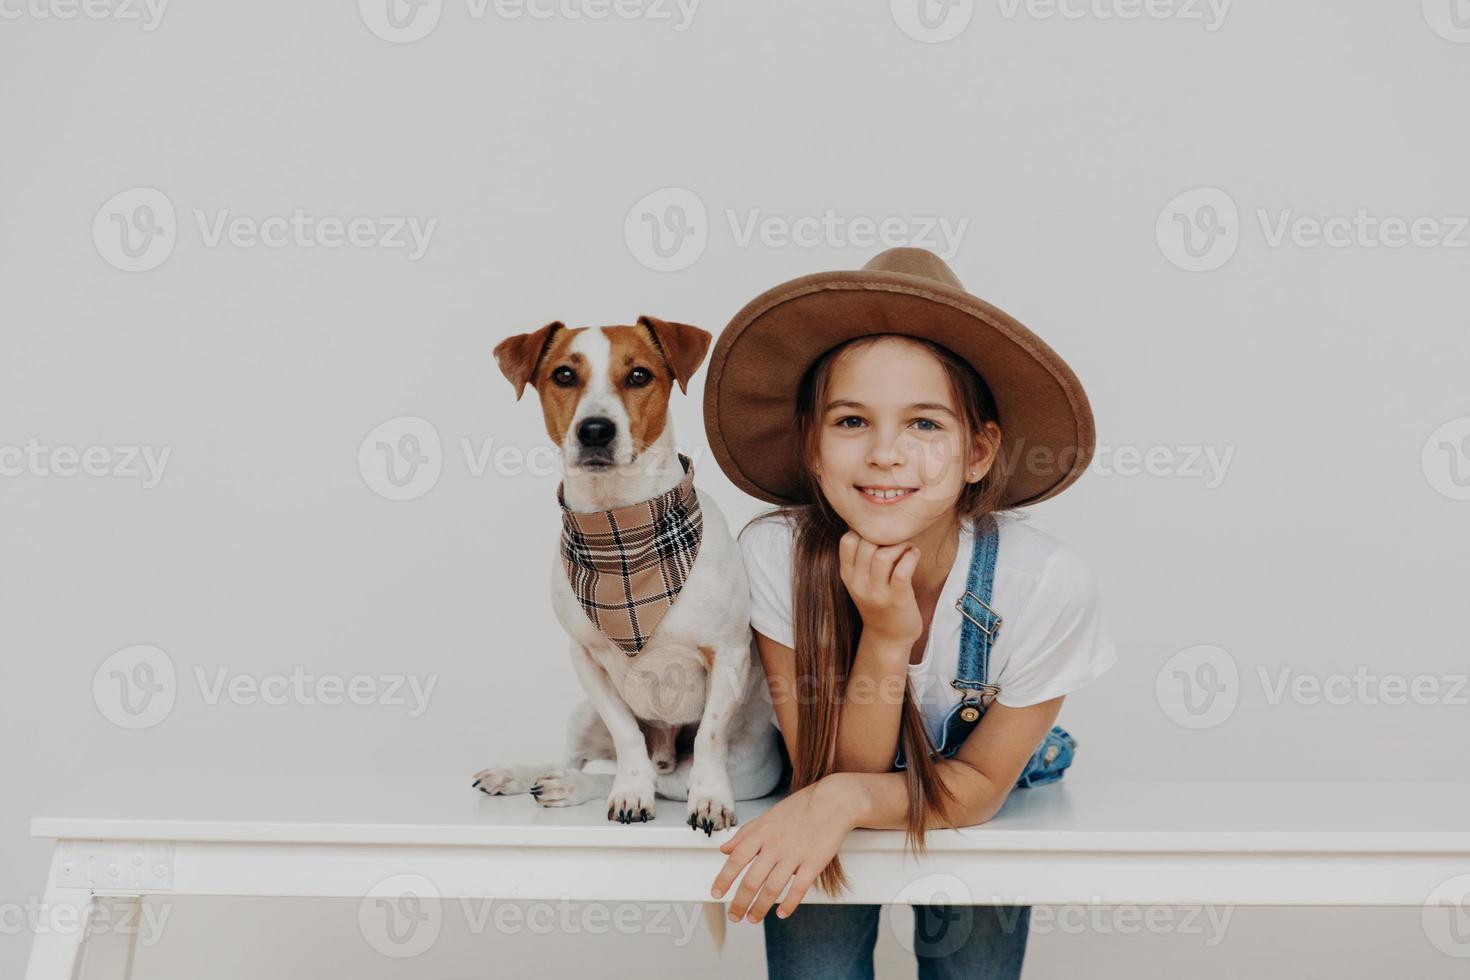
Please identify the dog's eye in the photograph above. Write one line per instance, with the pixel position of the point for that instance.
(564, 377)
(638, 377)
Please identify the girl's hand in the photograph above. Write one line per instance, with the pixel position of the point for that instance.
(797, 837)
(880, 579)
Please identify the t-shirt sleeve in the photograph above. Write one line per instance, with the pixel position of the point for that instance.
(765, 547)
(1064, 642)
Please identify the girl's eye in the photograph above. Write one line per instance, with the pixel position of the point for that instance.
(930, 422)
(564, 377)
(847, 418)
(638, 377)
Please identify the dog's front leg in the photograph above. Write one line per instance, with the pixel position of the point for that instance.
(711, 798)
(631, 799)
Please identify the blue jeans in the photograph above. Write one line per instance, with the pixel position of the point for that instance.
(835, 942)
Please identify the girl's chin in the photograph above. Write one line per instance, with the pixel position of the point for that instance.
(882, 525)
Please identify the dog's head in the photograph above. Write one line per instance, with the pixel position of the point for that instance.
(604, 390)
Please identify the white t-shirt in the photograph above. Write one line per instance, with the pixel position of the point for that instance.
(1052, 638)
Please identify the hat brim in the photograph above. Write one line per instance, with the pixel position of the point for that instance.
(758, 362)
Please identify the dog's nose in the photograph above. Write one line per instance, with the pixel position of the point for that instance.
(596, 431)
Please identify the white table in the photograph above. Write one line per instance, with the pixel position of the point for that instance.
(122, 837)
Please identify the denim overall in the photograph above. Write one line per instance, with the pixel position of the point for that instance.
(977, 634)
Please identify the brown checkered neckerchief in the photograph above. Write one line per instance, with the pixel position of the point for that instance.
(627, 565)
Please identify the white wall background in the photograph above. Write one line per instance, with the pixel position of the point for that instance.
(1334, 538)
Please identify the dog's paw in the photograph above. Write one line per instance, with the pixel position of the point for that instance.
(506, 780)
(710, 814)
(564, 787)
(630, 803)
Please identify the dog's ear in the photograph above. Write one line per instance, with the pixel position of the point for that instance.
(519, 355)
(683, 346)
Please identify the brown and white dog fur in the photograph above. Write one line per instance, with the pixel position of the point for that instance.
(696, 683)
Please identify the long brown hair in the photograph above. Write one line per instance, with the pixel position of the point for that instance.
(826, 623)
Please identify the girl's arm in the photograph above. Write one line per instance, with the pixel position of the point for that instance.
(981, 774)
(868, 722)
(870, 707)
(798, 837)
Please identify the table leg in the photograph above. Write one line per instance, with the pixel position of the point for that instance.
(61, 929)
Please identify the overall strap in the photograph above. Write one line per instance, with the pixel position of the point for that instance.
(981, 623)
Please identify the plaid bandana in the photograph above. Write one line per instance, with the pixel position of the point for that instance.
(627, 565)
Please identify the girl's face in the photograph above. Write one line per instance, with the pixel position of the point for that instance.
(890, 422)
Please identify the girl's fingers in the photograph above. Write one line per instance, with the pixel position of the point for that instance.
(738, 837)
(755, 876)
(903, 569)
(805, 877)
(731, 870)
(771, 890)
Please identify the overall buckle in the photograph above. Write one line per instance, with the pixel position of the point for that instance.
(989, 631)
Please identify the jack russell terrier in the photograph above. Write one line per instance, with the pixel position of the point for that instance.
(647, 582)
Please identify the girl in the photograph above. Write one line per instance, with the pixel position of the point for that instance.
(879, 588)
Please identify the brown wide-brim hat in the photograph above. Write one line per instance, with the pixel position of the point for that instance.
(759, 361)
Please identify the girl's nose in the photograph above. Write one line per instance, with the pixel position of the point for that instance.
(887, 451)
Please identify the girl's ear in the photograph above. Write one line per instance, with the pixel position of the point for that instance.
(983, 452)
(518, 356)
(683, 346)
